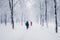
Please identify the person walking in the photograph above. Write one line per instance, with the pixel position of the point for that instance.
(27, 24)
(31, 23)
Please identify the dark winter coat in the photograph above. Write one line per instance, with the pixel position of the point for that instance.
(27, 24)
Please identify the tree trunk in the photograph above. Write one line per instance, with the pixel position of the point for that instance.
(56, 16)
(46, 13)
(5, 19)
(11, 8)
(1, 19)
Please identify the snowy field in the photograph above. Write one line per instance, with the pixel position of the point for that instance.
(35, 32)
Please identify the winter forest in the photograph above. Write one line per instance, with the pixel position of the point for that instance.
(42, 17)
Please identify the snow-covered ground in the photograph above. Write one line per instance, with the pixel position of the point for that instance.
(35, 32)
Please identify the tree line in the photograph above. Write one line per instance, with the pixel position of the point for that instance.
(43, 18)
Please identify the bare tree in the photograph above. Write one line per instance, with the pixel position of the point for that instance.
(41, 14)
(11, 8)
(46, 13)
(56, 15)
(5, 19)
(1, 19)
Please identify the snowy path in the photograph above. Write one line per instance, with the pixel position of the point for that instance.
(35, 32)
(39, 33)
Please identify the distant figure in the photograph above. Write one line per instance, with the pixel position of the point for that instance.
(31, 23)
(27, 24)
